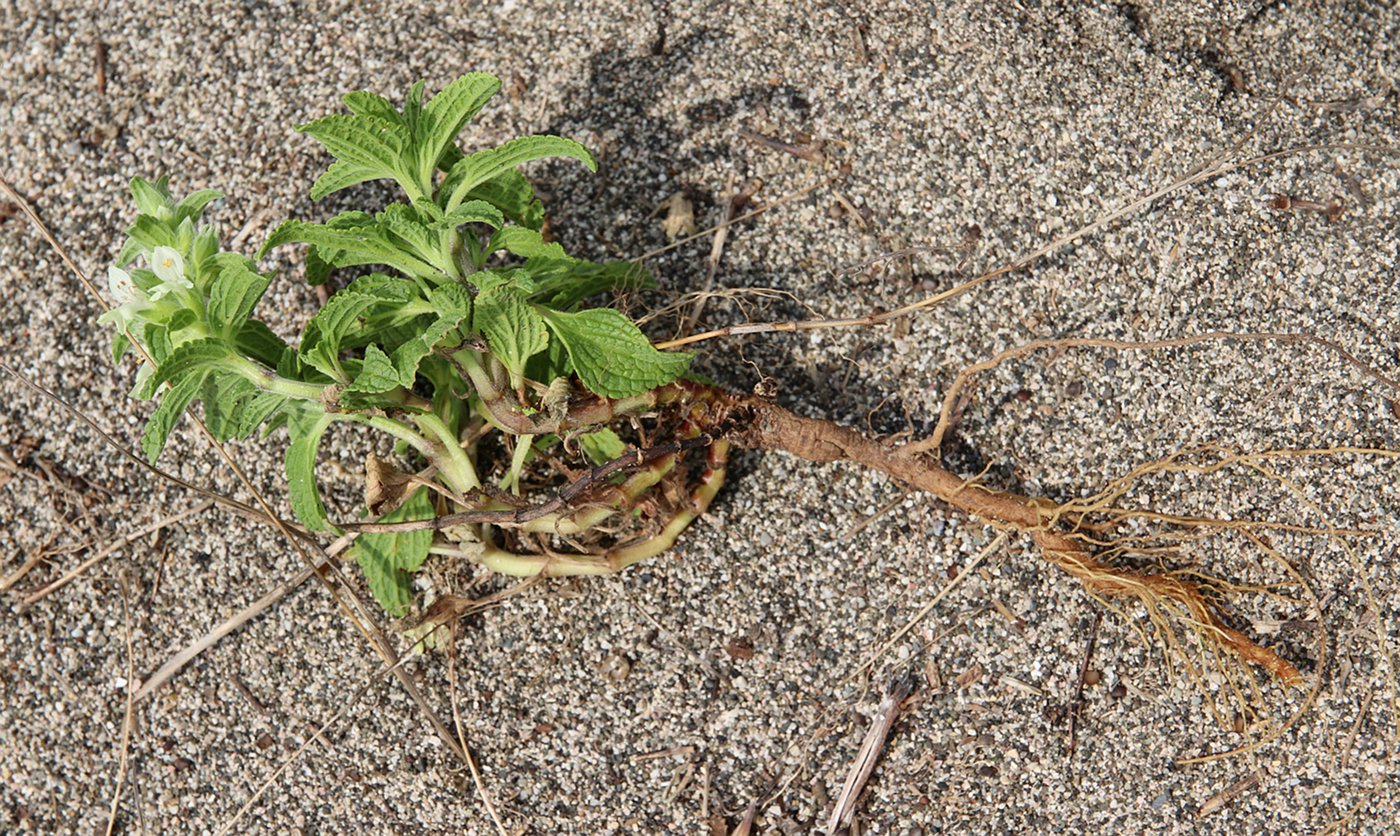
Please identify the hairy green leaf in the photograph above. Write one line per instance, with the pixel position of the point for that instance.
(601, 446)
(365, 103)
(197, 356)
(372, 143)
(390, 559)
(236, 289)
(306, 428)
(349, 239)
(451, 300)
(453, 305)
(377, 373)
(158, 341)
(180, 320)
(475, 169)
(120, 344)
(403, 223)
(526, 243)
(578, 280)
(385, 287)
(167, 414)
(342, 174)
(151, 197)
(193, 205)
(413, 106)
(149, 233)
(513, 329)
(224, 398)
(447, 113)
(320, 342)
(473, 211)
(512, 193)
(262, 407)
(259, 342)
(611, 355)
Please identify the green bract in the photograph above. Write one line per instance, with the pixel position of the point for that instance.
(472, 304)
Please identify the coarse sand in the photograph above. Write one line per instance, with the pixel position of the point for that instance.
(727, 672)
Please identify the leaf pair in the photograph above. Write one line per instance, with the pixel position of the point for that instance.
(376, 141)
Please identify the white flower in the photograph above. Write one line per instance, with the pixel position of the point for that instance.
(124, 290)
(169, 267)
(131, 300)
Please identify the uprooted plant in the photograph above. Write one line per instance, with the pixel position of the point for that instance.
(536, 434)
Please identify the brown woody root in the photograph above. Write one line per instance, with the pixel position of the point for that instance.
(759, 424)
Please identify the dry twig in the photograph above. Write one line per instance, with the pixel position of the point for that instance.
(896, 692)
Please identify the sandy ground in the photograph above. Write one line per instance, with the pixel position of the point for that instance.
(727, 671)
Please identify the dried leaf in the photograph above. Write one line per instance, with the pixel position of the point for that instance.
(680, 217)
(385, 485)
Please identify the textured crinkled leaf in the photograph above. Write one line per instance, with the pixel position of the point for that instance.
(225, 396)
(193, 205)
(451, 300)
(157, 340)
(428, 211)
(180, 320)
(167, 414)
(513, 329)
(306, 428)
(473, 211)
(515, 277)
(195, 356)
(403, 223)
(601, 446)
(149, 233)
(318, 267)
(550, 364)
(611, 355)
(512, 193)
(320, 342)
(582, 279)
(120, 344)
(150, 197)
(413, 107)
(389, 559)
(371, 142)
(450, 110)
(377, 373)
(349, 243)
(342, 174)
(131, 250)
(261, 408)
(365, 103)
(381, 286)
(259, 342)
(526, 243)
(235, 291)
(483, 166)
(452, 305)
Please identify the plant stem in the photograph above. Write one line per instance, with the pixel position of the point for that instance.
(272, 382)
(453, 462)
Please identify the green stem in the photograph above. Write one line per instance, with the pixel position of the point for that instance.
(512, 418)
(271, 382)
(452, 461)
(511, 481)
(389, 426)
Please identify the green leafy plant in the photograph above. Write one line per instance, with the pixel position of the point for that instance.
(476, 350)
(476, 328)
